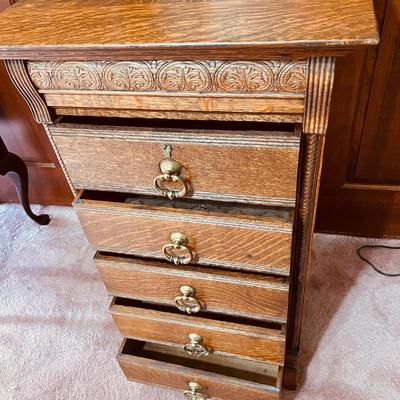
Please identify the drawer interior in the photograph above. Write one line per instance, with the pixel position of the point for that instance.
(181, 124)
(257, 372)
(281, 214)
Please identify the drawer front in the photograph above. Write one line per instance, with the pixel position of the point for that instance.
(250, 167)
(216, 337)
(247, 295)
(233, 241)
(123, 88)
(219, 378)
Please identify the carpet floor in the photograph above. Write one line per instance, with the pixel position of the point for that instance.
(58, 342)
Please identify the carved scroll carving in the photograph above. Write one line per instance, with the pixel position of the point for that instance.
(17, 71)
(126, 75)
(82, 76)
(184, 76)
(173, 76)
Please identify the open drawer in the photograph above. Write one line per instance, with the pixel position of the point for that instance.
(203, 334)
(242, 165)
(217, 377)
(188, 231)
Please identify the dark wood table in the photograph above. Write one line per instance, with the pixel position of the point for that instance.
(15, 168)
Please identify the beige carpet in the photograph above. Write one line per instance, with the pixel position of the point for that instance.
(58, 342)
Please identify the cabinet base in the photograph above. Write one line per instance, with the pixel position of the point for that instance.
(290, 372)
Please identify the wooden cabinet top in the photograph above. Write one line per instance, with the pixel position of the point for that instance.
(150, 29)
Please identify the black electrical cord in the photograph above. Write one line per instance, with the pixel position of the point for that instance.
(381, 246)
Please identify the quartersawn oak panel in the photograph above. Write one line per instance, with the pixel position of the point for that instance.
(257, 243)
(121, 29)
(164, 102)
(250, 167)
(219, 377)
(253, 296)
(223, 338)
(201, 116)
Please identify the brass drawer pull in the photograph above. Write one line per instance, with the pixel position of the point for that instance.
(170, 170)
(194, 392)
(187, 302)
(195, 347)
(179, 242)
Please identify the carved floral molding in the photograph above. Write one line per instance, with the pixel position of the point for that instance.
(172, 76)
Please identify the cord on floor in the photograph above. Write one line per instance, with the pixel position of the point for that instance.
(380, 246)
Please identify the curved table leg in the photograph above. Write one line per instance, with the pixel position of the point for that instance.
(12, 165)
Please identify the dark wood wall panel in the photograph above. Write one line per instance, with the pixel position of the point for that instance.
(360, 188)
(379, 155)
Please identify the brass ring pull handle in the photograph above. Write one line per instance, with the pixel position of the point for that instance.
(179, 242)
(187, 302)
(170, 170)
(195, 347)
(194, 392)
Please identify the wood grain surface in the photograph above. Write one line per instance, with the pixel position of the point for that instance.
(247, 295)
(187, 103)
(197, 115)
(223, 338)
(217, 381)
(88, 29)
(229, 240)
(249, 167)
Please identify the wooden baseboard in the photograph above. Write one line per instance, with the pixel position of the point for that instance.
(359, 212)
